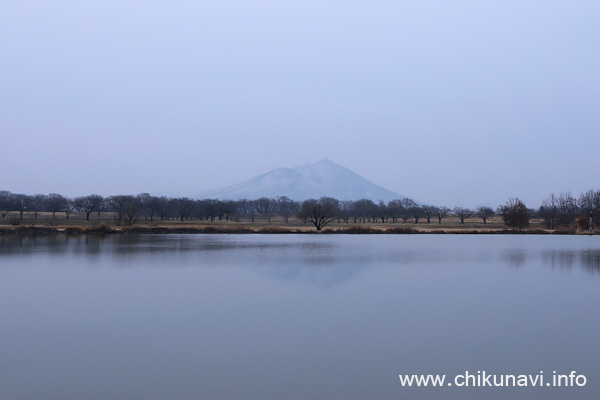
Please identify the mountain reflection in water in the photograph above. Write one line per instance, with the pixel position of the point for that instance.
(322, 260)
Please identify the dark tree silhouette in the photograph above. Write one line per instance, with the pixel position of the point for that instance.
(149, 204)
(484, 213)
(207, 208)
(557, 211)
(5, 203)
(55, 203)
(266, 207)
(362, 208)
(380, 211)
(102, 207)
(89, 204)
(567, 209)
(227, 209)
(183, 206)
(589, 203)
(441, 213)
(320, 212)
(286, 208)
(417, 213)
(514, 213)
(21, 203)
(162, 207)
(247, 208)
(119, 202)
(70, 206)
(462, 213)
(428, 212)
(407, 206)
(37, 204)
(395, 208)
(549, 211)
(131, 212)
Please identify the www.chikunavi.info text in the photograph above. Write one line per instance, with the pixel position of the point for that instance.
(485, 379)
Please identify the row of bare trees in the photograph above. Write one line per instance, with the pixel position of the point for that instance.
(558, 211)
(564, 210)
(324, 210)
(129, 208)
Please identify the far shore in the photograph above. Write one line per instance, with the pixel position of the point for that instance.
(109, 224)
(228, 229)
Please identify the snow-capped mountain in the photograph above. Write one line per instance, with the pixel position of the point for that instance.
(323, 178)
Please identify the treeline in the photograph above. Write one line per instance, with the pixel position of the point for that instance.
(557, 211)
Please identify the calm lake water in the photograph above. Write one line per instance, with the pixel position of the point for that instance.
(294, 316)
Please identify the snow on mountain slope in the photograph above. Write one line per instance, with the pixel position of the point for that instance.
(323, 178)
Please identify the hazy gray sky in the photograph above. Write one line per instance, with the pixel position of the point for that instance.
(451, 102)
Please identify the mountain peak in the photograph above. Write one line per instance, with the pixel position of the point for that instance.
(326, 162)
(323, 178)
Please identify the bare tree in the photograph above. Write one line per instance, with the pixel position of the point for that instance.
(549, 210)
(89, 204)
(208, 208)
(462, 213)
(345, 210)
(587, 201)
(119, 202)
(407, 208)
(287, 208)
(37, 204)
(320, 212)
(266, 207)
(162, 207)
(362, 208)
(70, 206)
(395, 208)
(80, 205)
(182, 206)
(484, 213)
(130, 213)
(6, 203)
(227, 209)
(55, 203)
(441, 213)
(417, 213)
(428, 212)
(588, 204)
(21, 203)
(247, 208)
(567, 209)
(514, 213)
(380, 211)
(150, 204)
(102, 207)
(220, 209)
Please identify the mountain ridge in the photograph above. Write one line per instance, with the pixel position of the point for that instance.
(323, 178)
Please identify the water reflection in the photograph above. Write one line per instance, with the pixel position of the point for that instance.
(587, 259)
(515, 257)
(292, 316)
(119, 245)
(275, 251)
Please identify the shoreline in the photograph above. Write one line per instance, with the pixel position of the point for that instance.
(359, 230)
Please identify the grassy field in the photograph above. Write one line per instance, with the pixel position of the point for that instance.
(109, 222)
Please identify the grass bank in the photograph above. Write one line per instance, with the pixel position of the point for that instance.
(241, 229)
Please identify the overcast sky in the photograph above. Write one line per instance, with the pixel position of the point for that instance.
(451, 102)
